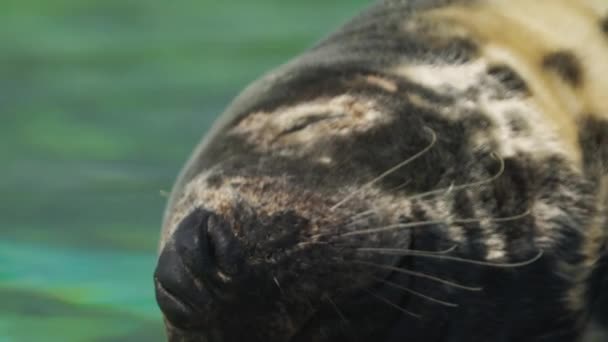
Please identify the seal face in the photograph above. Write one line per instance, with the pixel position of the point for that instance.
(423, 174)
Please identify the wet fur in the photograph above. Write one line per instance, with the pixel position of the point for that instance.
(506, 110)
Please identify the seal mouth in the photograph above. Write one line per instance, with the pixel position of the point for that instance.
(178, 297)
(169, 299)
(175, 308)
(335, 315)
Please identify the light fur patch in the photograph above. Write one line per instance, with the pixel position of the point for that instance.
(444, 78)
(383, 83)
(494, 239)
(440, 209)
(302, 125)
(496, 248)
(474, 90)
(544, 214)
(540, 136)
(520, 33)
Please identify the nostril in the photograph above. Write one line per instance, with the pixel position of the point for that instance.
(208, 249)
(191, 243)
(225, 250)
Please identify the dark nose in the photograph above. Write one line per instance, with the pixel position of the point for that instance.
(196, 269)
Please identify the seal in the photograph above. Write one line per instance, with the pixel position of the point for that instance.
(433, 171)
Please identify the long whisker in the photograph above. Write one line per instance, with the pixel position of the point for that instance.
(345, 245)
(419, 275)
(453, 188)
(337, 309)
(388, 302)
(397, 251)
(365, 214)
(405, 251)
(400, 186)
(398, 226)
(360, 216)
(357, 222)
(276, 282)
(391, 170)
(416, 293)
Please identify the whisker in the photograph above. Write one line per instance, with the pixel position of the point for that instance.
(419, 275)
(416, 293)
(391, 170)
(445, 251)
(405, 251)
(360, 216)
(276, 282)
(355, 219)
(397, 251)
(388, 302)
(309, 304)
(337, 309)
(402, 185)
(356, 223)
(308, 243)
(430, 223)
(452, 187)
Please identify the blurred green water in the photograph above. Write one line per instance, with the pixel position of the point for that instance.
(100, 104)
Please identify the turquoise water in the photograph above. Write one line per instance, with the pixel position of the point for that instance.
(100, 104)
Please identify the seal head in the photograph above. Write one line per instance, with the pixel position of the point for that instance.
(422, 174)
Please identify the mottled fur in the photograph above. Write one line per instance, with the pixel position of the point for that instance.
(500, 110)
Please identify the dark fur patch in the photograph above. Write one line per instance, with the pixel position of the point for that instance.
(517, 123)
(566, 65)
(593, 135)
(604, 24)
(464, 208)
(509, 78)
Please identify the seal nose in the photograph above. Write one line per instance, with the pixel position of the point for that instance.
(196, 268)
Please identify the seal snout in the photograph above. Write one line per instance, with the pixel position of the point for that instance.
(196, 268)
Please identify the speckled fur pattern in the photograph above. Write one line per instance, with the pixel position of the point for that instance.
(464, 142)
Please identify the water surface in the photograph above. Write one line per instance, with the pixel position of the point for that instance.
(101, 101)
